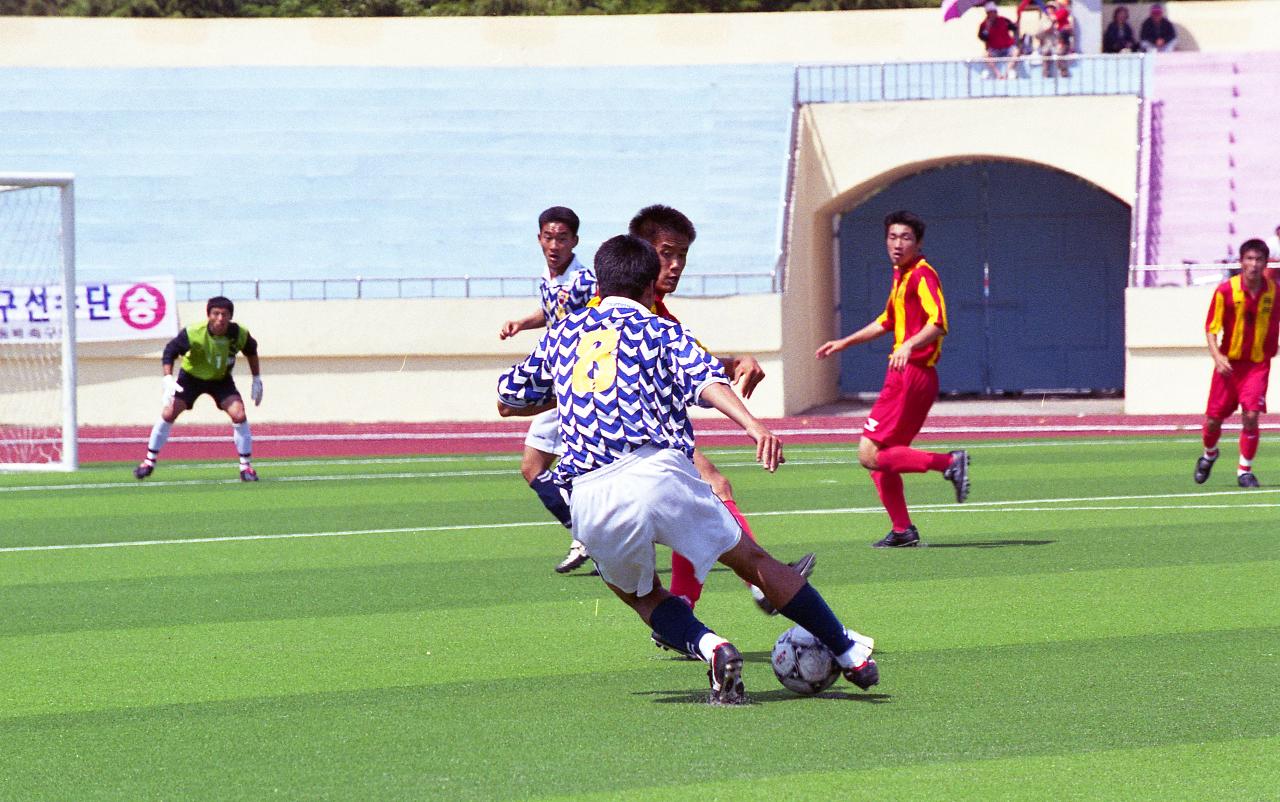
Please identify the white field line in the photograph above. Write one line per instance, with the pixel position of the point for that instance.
(510, 459)
(980, 507)
(273, 479)
(852, 429)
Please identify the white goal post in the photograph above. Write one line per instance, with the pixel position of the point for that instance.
(37, 322)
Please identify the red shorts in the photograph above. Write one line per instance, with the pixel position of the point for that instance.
(1246, 388)
(904, 403)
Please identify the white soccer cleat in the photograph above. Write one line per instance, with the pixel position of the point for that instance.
(574, 559)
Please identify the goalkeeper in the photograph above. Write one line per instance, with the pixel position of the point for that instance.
(208, 350)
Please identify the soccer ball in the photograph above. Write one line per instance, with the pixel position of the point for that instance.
(802, 664)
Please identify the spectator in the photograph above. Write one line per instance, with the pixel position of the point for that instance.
(1001, 37)
(1057, 37)
(1157, 34)
(1119, 38)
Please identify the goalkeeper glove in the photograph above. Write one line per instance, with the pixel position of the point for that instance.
(170, 387)
(255, 392)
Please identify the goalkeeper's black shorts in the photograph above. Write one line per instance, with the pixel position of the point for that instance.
(220, 390)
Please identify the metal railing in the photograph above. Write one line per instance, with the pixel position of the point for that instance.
(1027, 76)
(1183, 275)
(709, 285)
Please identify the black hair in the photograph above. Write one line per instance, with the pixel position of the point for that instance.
(904, 218)
(652, 219)
(559, 214)
(626, 265)
(220, 302)
(1255, 245)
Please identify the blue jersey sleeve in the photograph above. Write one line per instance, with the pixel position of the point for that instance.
(529, 382)
(584, 289)
(691, 366)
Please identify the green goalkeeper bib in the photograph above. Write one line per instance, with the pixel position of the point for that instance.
(211, 357)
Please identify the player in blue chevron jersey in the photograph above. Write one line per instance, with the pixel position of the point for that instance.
(622, 378)
(671, 234)
(566, 287)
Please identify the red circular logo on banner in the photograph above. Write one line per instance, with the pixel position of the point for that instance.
(142, 306)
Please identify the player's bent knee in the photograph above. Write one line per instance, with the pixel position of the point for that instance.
(721, 487)
(868, 454)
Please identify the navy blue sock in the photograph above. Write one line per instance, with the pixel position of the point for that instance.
(810, 610)
(551, 497)
(676, 624)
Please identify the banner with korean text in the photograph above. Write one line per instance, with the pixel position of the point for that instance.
(105, 311)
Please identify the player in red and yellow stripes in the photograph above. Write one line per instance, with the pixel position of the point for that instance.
(916, 313)
(1241, 332)
(671, 234)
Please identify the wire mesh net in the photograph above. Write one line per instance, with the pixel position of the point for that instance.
(31, 310)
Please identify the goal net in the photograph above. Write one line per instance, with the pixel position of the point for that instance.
(37, 322)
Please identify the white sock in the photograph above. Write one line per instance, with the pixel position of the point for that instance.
(858, 653)
(707, 645)
(1245, 466)
(159, 436)
(1211, 453)
(244, 440)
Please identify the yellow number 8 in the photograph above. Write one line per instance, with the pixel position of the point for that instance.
(597, 349)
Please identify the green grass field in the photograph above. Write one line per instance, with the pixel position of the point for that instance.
(1091, 625)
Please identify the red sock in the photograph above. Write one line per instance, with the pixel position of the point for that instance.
(684, 582)
(742, 521)
(1248, 445)
(889, 486)
(901, 459)
(732, 506)
(1210, 434)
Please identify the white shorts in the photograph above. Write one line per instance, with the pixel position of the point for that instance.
(544, 433)
(650, 496)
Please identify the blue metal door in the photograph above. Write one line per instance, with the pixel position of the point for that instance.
(1033, 265)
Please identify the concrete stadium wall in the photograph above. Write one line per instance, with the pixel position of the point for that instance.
(847, 152)
(390, 360)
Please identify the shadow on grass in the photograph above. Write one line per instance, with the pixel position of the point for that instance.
(989, 544)
(766, 697)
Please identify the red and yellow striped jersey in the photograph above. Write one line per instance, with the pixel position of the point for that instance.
(916, 300)
(1248, 324)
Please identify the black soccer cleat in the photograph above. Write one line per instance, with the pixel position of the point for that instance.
(865, 675)
(804, 566)
(958, 474)
(663, 643)
(899, 540)
(143, 470)
(574, 559)
(1247, 479)
(726, 676)
(1204, 466)
(248, 475)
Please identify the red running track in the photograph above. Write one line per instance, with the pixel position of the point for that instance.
(274, 441)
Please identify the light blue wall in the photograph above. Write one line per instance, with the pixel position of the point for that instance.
(334, 172)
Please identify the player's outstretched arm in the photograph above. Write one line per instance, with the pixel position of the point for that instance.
(506, 411)
(768, 446)
(744, 372)
(534, 320)
(865, 334)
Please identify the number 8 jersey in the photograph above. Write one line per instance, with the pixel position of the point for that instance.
(622, 377)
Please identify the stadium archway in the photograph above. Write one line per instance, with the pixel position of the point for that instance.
(1033, 262)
